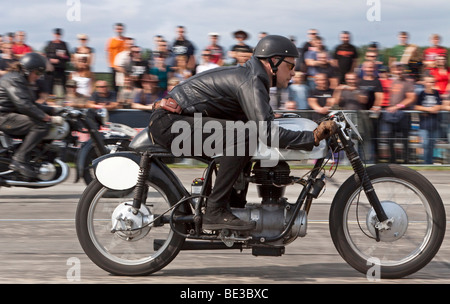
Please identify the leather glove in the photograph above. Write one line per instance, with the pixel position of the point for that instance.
(57, 120)
(324, 131)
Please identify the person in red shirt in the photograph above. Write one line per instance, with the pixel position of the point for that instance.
(441, 74)
(19, 47)
(430, 54)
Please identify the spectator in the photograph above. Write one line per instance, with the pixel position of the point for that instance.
(322, 65)
(310, 58)
(321, 99)
(407, 54)
(373, 89)
(183, 46)
(73, 98)
(242, 54)
(83, 50)
(114, 46)
(240, 45)
(429, 102)
(217, 52)
(126, 94)
(102, 97)
(386, 82)
(299, 91)
(349, 96)
(19, 47)
(137, 67)
(162, 51)
(83, 76)
(441, 74)
(58, 54)
(394, 121)
(370, 56)
(121, 61)
(371, 85)
(430, 54)
(160, 70)
(171, 83)
(345, 56)
(9, 38)
(145, 98)
(290, 105)
(6, 58)
(180, 70)
(301, 65)
(206, 63)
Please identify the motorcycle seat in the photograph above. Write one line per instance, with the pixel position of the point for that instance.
(157, 149)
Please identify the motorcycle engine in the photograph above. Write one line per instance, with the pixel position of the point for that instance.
(58, 132)
(271, 181)
(274, 212)
(47, 171)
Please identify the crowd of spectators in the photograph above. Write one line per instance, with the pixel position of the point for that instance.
(381, 87)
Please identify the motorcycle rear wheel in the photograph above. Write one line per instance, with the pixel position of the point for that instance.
(114, 252)
(417, 231)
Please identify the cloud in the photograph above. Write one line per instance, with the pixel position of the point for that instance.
(144, 19)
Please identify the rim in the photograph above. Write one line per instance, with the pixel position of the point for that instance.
(411, 244)
(117, 249)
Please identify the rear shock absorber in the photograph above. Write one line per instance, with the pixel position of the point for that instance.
(141, 189)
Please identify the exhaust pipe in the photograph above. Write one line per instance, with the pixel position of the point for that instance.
(64, 174)
(199, 245)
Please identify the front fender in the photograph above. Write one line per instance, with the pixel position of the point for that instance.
(119, 171)
(83, 152)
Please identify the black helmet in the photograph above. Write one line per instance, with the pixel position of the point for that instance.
(275, 45)
(33, 62)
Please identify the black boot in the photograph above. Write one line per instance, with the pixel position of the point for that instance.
(23, 169)
(217, 218)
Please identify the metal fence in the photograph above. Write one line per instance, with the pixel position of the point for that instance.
(417, 138)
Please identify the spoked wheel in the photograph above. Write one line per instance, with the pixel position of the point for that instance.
(103, 224)
(415, 233)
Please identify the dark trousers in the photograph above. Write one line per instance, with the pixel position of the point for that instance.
(22, 126)
(231, 164)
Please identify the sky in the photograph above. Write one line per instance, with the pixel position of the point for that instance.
(367, 20)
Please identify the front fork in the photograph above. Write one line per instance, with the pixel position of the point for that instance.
(358, 167)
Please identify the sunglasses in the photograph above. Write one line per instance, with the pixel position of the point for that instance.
(291, 65)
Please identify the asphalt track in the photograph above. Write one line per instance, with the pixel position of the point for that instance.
(38, 245)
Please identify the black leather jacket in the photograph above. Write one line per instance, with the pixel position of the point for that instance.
(236, 93)
(16, 96)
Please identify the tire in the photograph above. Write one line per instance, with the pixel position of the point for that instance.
(113, 252)
(416, 233)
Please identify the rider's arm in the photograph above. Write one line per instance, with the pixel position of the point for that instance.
(254, 100)
(20, 94)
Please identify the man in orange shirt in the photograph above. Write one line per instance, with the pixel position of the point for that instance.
(114, 46)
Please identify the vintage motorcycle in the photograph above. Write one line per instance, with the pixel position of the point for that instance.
(61, 144)
(385, 215)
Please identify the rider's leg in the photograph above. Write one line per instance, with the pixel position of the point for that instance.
(34, 131)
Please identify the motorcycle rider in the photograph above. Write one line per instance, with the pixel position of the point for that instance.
(20, 115)
(237, 93)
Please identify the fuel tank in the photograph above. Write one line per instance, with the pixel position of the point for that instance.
(295, 124)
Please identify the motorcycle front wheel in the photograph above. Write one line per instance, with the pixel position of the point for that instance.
(117, 250)
(414, 235)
